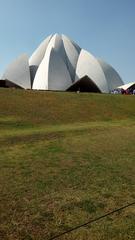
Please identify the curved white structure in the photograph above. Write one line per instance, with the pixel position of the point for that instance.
(88, 65)
(112, 77)
(72, 53)
(18, 72)
(48, 70)
(60, 64)
(38, 55)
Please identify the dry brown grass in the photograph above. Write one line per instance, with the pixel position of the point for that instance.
(58, 172)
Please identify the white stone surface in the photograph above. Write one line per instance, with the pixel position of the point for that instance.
(18, 72)
(39, 53)
(112, 77)
(52, 73)
(41, 77)
(88, 65)
(72, 56)
(57, 43)
(75, 45)
(58, 75)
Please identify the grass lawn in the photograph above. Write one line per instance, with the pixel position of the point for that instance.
(66, 158)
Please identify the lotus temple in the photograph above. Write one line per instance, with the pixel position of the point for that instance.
(59, 64)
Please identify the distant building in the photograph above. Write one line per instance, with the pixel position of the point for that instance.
(129, 86)
(60, 64)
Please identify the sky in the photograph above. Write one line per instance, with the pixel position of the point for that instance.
(106, 28)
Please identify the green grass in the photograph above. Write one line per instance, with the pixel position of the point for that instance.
(66, 158)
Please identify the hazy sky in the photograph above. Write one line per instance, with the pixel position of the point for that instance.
(106, 28)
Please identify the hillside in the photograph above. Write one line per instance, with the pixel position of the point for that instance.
(66, 158)
(64, 107)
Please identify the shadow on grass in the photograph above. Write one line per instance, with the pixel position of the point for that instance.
(88, 206)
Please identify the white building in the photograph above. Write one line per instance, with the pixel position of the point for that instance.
(60, 64)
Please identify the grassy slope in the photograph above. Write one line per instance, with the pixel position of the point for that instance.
(66, 158)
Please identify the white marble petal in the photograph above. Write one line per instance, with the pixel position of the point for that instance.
(88, 65)
(72, 56)
(57, 43)
(112, 77)
(59, 77)
(52, 73)
(39, 53)
(41, 77)
(18, 72)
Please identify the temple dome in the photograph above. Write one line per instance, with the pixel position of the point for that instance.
(59, 64)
